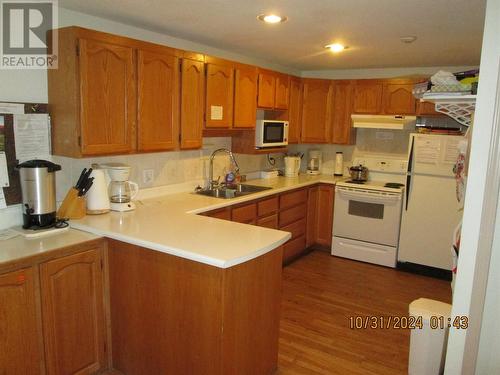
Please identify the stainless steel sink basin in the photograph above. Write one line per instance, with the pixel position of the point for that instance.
(232, 192)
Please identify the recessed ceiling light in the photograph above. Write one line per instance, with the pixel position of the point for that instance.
(336, 47)
(271, 18)
(408, 39)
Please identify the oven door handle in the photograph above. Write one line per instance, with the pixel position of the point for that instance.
(369, 197)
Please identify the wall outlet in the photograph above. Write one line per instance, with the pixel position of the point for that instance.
(148, 175)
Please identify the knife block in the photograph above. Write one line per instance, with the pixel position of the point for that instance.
(73, 206)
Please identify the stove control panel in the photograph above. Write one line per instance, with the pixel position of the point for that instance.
(382, 164)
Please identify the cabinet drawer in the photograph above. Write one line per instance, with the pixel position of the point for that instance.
(297, 228)
(224, 214)
(245, 213)
(292, 214)
(268, 221)
(267, 206)
(293, 248)
(293, 198)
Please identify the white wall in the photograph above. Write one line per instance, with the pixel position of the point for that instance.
(382, 72)
(479, 212)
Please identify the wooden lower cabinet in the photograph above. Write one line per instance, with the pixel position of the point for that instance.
(20, 342)
(325, 215)
(176, 316)
(268, 221)
(73, 313)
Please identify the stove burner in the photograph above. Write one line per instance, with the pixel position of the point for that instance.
(359, 182)
(393, 185)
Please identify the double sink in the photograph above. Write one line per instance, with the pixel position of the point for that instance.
(233, 191)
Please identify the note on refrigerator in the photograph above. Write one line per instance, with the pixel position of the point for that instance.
(427, 150)
(3, 203)
(4, 173)
(13, 108)
(451, 150)
(32, 136)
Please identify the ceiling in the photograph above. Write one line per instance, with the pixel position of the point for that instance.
(449, 31)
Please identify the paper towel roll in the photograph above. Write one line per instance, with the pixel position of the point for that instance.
(339, 164)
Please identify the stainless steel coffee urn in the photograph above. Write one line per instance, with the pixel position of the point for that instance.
(38, 186)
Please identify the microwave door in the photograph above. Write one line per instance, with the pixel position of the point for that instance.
(273, 133)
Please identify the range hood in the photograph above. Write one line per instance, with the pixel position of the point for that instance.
(397, 122)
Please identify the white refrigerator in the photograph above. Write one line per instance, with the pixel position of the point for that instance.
(431, 210)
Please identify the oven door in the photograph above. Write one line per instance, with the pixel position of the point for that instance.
(367, 215)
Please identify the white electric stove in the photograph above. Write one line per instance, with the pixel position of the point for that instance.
(367, 215)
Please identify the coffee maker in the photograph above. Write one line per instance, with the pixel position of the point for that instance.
(38, 188)
(121, 191)
(314, 162)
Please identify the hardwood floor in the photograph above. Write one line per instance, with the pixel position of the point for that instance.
(321, 292)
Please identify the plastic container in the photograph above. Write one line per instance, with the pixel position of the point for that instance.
(428, 345)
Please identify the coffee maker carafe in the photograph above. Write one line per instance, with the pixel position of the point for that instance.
(314, 162)
(121, 191)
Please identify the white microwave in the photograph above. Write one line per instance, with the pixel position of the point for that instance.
(271, 133)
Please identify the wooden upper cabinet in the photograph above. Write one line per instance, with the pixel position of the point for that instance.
(267, 89)
(245, 96)
(342, 130)
(219, 95)
(398, 99)
(274, 90)
(368, 97)
(295, 110)
(192, 103)
(316, 111)
(73, 313)
(19, 338)
(427, 109)
(108, 97)
(158, 100)
(282, 94)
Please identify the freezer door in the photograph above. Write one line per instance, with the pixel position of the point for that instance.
(428, 222)
(435, 154)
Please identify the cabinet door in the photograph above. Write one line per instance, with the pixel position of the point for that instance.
(399, 99)
(158, 100)
(325, 215)
(245, 96)
(368, 97)
(73, 313)
(342, 130)
(316, 111)
(108, 98)
(282, 94)
(427, 109)
(312, 216)
(267, 89)
(192, 103)
(295, 110)
(19, 333)
(219, 110)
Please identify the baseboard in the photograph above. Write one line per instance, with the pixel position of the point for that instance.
(419, 269)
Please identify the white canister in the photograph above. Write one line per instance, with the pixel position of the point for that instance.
(97, 196)
(339, 164)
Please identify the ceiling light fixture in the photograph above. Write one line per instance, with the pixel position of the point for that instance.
(336, 47)
(271, 18)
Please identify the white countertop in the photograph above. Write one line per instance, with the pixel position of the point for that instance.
(19, 248)
(169, 224)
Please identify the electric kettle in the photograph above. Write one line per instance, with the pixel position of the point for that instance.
(292, 166)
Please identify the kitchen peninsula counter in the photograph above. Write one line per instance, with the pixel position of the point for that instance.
(169, 224)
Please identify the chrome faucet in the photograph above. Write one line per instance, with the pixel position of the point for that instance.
(211, 182)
